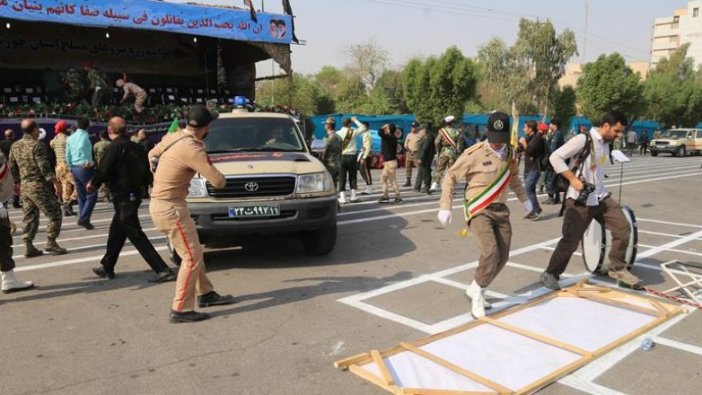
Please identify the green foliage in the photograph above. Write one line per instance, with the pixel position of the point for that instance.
(504, 77)
(387, 95)
(564, 108)
(439, 86)
(351, 95)
(304, 95)
(674, 91)
(609, 84)
(546, 55)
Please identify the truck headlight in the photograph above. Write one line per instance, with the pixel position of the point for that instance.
(197, 188)
(313, 183)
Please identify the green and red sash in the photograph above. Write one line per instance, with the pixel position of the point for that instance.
(447, 137)
(472, 207)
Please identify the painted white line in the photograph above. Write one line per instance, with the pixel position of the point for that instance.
(655, 221)
(668, 246)
(97, 221)
(450, 283)
(674, 250)
(94, 246)
(91, 236)
(576, 253)
(390, 316)
(587, 386)
(94, 258)
(596, 368)
(678, 345)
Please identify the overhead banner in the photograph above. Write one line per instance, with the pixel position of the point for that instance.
(224, 23)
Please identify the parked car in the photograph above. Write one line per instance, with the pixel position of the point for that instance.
(274, 185)
(678, 142)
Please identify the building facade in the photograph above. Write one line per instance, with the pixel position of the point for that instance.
(683, 27)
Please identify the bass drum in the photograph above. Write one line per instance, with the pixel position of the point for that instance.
(597, 242)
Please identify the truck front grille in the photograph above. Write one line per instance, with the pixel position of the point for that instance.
(254, 187)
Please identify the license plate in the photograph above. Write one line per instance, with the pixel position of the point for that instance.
(254, 211)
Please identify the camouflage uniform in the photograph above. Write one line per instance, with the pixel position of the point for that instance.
(75, 88)
(29, 162)
(331, 157)
(447, 154)
(98, 152)
(97, 83)
(63, 173)
(425, 154)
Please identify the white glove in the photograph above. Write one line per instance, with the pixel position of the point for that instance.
(3, 211)
(445, 217)
(528, 207)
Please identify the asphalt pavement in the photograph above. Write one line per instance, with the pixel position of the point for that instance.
(395, 275)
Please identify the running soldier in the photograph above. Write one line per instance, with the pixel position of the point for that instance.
(32, 172)
(63, 172)
(349, 157)
(488, 168)
(449, 144)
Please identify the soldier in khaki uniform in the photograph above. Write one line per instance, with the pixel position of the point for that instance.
(98, 153)
(63, 173)
(449, 144)
(488, 168)
(29, 162)
(412, 151)
(181, 155)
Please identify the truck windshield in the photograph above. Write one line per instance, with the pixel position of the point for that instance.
(254, 134)
(675, 134)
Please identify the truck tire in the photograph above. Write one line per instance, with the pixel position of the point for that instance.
(172, 254)
(320, 242)
(682, 152)
(654, 153)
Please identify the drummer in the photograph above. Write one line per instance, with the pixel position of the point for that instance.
(581, 207)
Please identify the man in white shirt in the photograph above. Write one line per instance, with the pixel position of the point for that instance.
(581, 208)
(349, 158)
(631, 139)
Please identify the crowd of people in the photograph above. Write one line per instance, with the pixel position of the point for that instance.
(489, 166)
(121, 164)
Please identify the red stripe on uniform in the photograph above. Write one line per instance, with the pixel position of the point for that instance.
(3, 171)
(489, 201)
(190, 270)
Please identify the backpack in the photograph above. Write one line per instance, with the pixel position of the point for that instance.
(562, 183)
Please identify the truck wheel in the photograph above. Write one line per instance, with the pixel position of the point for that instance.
(653, 153)
(320, 242)
(172, 254)
(682, 152)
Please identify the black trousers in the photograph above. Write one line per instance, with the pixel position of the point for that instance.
(6, 261)
(349, 167)
(365, 170)
(125, 225)
(423, 176)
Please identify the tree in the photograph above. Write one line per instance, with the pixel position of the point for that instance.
(609, 84)
(564, 108)
(674, 91)
(546, 55)
(439, 86)
(367, 61)
(351, 95)
(307, 96)
(329, 79)
(505, 77)
(526, 73)
(387, 96)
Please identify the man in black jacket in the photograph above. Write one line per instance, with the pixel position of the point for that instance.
(534, 148)
(124, 168)
(389, 150)
(425, 155)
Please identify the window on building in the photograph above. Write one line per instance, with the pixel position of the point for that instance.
(695, 12)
